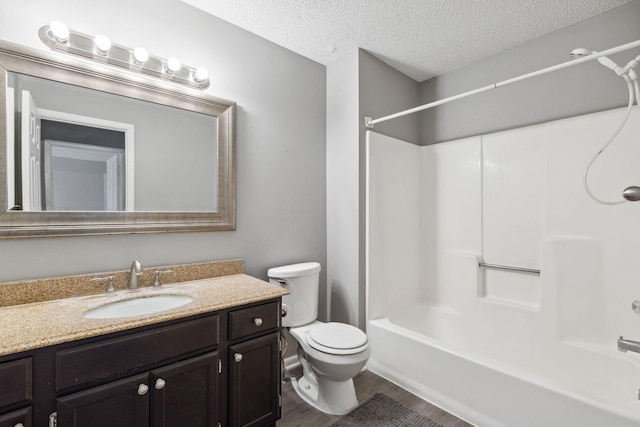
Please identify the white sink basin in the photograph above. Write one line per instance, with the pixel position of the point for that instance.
(137, 306)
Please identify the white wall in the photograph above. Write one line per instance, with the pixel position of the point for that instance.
(512, 198)
(393, 211)
(516, 198)
(451, 204)
(280, 140)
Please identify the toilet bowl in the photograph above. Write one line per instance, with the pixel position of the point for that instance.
(331, 354)
(327, 381)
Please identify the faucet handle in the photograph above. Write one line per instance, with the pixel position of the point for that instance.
(157, 273)
(111, 289)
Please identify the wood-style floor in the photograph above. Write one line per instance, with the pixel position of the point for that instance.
(297, 413)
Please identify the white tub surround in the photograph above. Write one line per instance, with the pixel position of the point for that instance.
(505, 348)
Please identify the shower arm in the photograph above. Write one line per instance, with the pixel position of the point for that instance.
(369, 122)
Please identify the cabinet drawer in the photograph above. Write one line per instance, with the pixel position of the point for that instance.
(249, 321)
(120, 356)
(15, 382)
(12, 419)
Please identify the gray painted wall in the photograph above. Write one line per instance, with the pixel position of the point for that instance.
(582, 89)
(384, 90)
(280, 141)
(358, 85)
(342, 189)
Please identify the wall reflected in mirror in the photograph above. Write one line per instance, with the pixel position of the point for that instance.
(70, 148)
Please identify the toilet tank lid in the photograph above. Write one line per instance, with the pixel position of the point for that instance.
(294, 270)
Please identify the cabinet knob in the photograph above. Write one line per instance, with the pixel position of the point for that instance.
(19, 425)
(257, 321)
(160, 384)
(143, 389)
(237, 357)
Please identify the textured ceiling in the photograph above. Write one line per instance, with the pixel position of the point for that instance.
(421, 38)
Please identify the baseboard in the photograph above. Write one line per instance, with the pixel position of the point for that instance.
(291, 362)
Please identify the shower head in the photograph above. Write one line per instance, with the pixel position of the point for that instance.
(581, 52)
(632, 193)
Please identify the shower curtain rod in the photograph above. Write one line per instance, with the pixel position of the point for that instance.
(369, 122)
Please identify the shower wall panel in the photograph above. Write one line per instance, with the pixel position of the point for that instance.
(450, 197)
(393, 212)
(513, 173)
(556, 331)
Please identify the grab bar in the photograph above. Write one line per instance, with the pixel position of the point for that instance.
(509, 268)
(628, 345)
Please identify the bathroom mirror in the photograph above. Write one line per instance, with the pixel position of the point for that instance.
(87, 149)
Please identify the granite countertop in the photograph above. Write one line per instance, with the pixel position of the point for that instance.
(29, 326)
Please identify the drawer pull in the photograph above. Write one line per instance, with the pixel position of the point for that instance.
(257, 321)
(143, 389)
(237, 357)
(19, 425)
(160, 384)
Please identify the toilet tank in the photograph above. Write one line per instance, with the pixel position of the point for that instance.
(302, 281)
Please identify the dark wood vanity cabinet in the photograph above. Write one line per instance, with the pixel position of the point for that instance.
(180, 394)
(186, 394)
(118, 403)
(16, 392)
(254, 390)
(254, 370)
(180, 373)
(19, 418)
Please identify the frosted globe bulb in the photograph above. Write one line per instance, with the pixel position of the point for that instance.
(60, 31)
(173, 65)
(103, 44)
(140, 55)
(201, 75)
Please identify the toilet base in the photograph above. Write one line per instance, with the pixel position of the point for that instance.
(330, 397)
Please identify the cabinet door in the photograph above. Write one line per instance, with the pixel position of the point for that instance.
(186, 393)
(16, 418)
(254, 389)
(123, 403)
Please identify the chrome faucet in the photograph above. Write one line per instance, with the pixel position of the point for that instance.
(136, 270)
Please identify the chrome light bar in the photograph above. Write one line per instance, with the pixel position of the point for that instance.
(100, 49)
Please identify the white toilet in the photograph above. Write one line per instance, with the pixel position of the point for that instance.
(331, 354)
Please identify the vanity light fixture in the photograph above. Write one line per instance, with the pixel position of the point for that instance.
(100, 49)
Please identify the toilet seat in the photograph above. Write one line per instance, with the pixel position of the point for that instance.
(337, 338)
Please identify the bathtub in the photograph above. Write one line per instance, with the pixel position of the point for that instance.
(422, 349)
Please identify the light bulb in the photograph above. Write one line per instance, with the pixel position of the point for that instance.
(60, 31)
(140, 55)
(173, 65)
(201, 75)
(103, 44)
